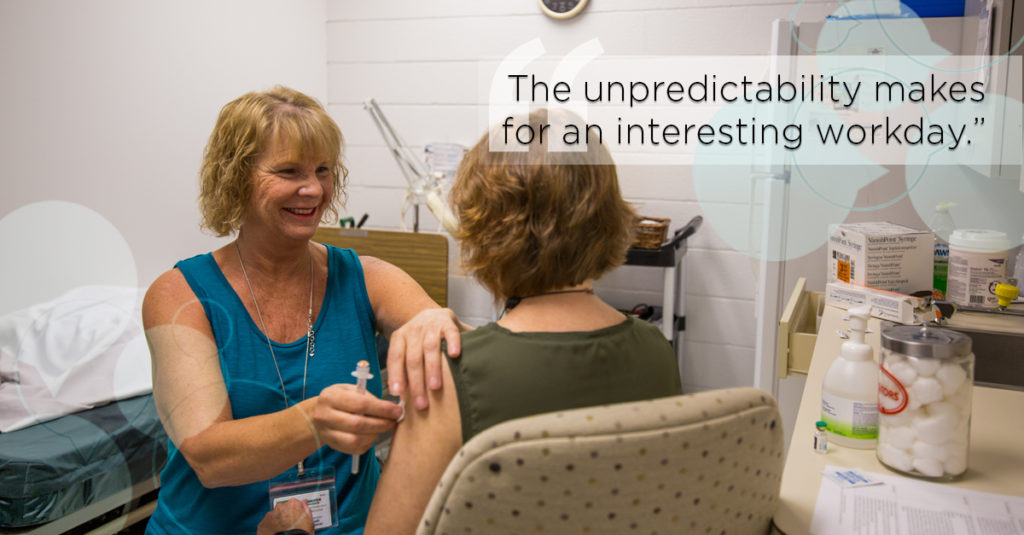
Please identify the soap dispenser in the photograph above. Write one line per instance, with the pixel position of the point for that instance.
(849, 394)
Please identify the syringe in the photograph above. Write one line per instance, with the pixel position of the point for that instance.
(361, 374)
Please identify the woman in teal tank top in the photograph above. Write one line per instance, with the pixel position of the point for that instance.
(254, 344)
(535, 228)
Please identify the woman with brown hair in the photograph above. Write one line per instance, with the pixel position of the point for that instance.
(536, 225)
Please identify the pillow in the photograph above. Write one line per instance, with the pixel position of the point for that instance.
(81, 350)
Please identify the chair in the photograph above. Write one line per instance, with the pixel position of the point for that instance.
(702, 463)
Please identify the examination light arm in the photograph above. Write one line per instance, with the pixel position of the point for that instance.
(423, 185)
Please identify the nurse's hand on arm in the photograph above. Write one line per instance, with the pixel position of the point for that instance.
(192, 401)
(416, 325)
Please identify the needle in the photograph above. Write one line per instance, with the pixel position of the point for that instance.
(361, 374)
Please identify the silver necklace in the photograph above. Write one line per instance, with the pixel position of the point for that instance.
(310, 339)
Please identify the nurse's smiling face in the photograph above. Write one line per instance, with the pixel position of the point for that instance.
(290, 191)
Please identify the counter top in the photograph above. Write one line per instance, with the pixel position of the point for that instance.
(995, 461)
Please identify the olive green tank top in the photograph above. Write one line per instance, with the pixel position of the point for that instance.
(502, 375)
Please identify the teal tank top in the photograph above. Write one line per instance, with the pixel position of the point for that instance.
(344, 333)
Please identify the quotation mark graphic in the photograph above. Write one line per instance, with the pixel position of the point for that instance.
(502, 105)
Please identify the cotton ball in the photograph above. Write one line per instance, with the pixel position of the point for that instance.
(962, 428)
(902, 371)
(956, 464)
(938, 428)
(894, 457)
(955, 448)
(904, 417)
(913, 402)
(942, 408)
(924, 366)
(951, 376)
(892, 357)
(962, 398)
(927, 450)
(900, 436)
(925, 390)
(928, 467)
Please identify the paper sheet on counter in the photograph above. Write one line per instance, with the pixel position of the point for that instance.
(904, 506)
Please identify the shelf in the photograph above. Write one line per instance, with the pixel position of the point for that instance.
(670, 252)
(669, 258)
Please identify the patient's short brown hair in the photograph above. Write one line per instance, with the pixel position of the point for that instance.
(244, 128)
(535, 220)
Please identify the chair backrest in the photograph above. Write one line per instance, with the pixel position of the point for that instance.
(424, 256)
(702, 463)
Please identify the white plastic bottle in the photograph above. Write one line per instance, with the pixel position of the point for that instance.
(942, 225)
(849, 394)
(977, 262)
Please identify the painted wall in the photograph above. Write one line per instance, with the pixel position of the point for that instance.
(106, 107)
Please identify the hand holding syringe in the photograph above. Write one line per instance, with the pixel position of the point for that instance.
(361, 374)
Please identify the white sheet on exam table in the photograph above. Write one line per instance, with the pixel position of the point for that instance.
(81, 350)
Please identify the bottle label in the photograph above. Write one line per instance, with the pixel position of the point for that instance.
(972, 276)
(940, 269)
(820, 441)
(849, 418)
(892, 396)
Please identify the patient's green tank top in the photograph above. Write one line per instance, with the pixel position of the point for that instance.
(502, 375)
(344, 332)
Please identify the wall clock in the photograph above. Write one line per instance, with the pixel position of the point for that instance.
(562, 9)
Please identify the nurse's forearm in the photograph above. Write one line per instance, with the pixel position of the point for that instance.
(237, 452)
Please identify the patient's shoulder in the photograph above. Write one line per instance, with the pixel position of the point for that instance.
(648, 331)
(482, 341)
(484, 333)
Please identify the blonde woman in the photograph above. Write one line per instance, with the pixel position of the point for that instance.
(253, 344)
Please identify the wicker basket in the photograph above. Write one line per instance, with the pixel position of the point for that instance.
(650, 232)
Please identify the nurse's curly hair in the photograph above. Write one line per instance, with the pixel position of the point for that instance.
(533, 218)
(244, 128)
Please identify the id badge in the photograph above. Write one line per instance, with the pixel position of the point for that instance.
(315, 487)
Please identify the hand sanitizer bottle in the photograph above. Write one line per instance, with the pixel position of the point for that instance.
(849, 394)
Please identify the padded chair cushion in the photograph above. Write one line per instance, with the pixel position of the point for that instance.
(700, 463)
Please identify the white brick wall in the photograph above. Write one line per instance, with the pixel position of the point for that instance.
(107, 104)
(418, 59)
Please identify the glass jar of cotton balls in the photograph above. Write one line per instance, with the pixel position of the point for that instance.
(924, 401)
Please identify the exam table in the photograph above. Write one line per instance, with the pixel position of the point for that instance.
(81, 445)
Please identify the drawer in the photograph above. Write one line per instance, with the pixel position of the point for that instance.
(798, 329)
